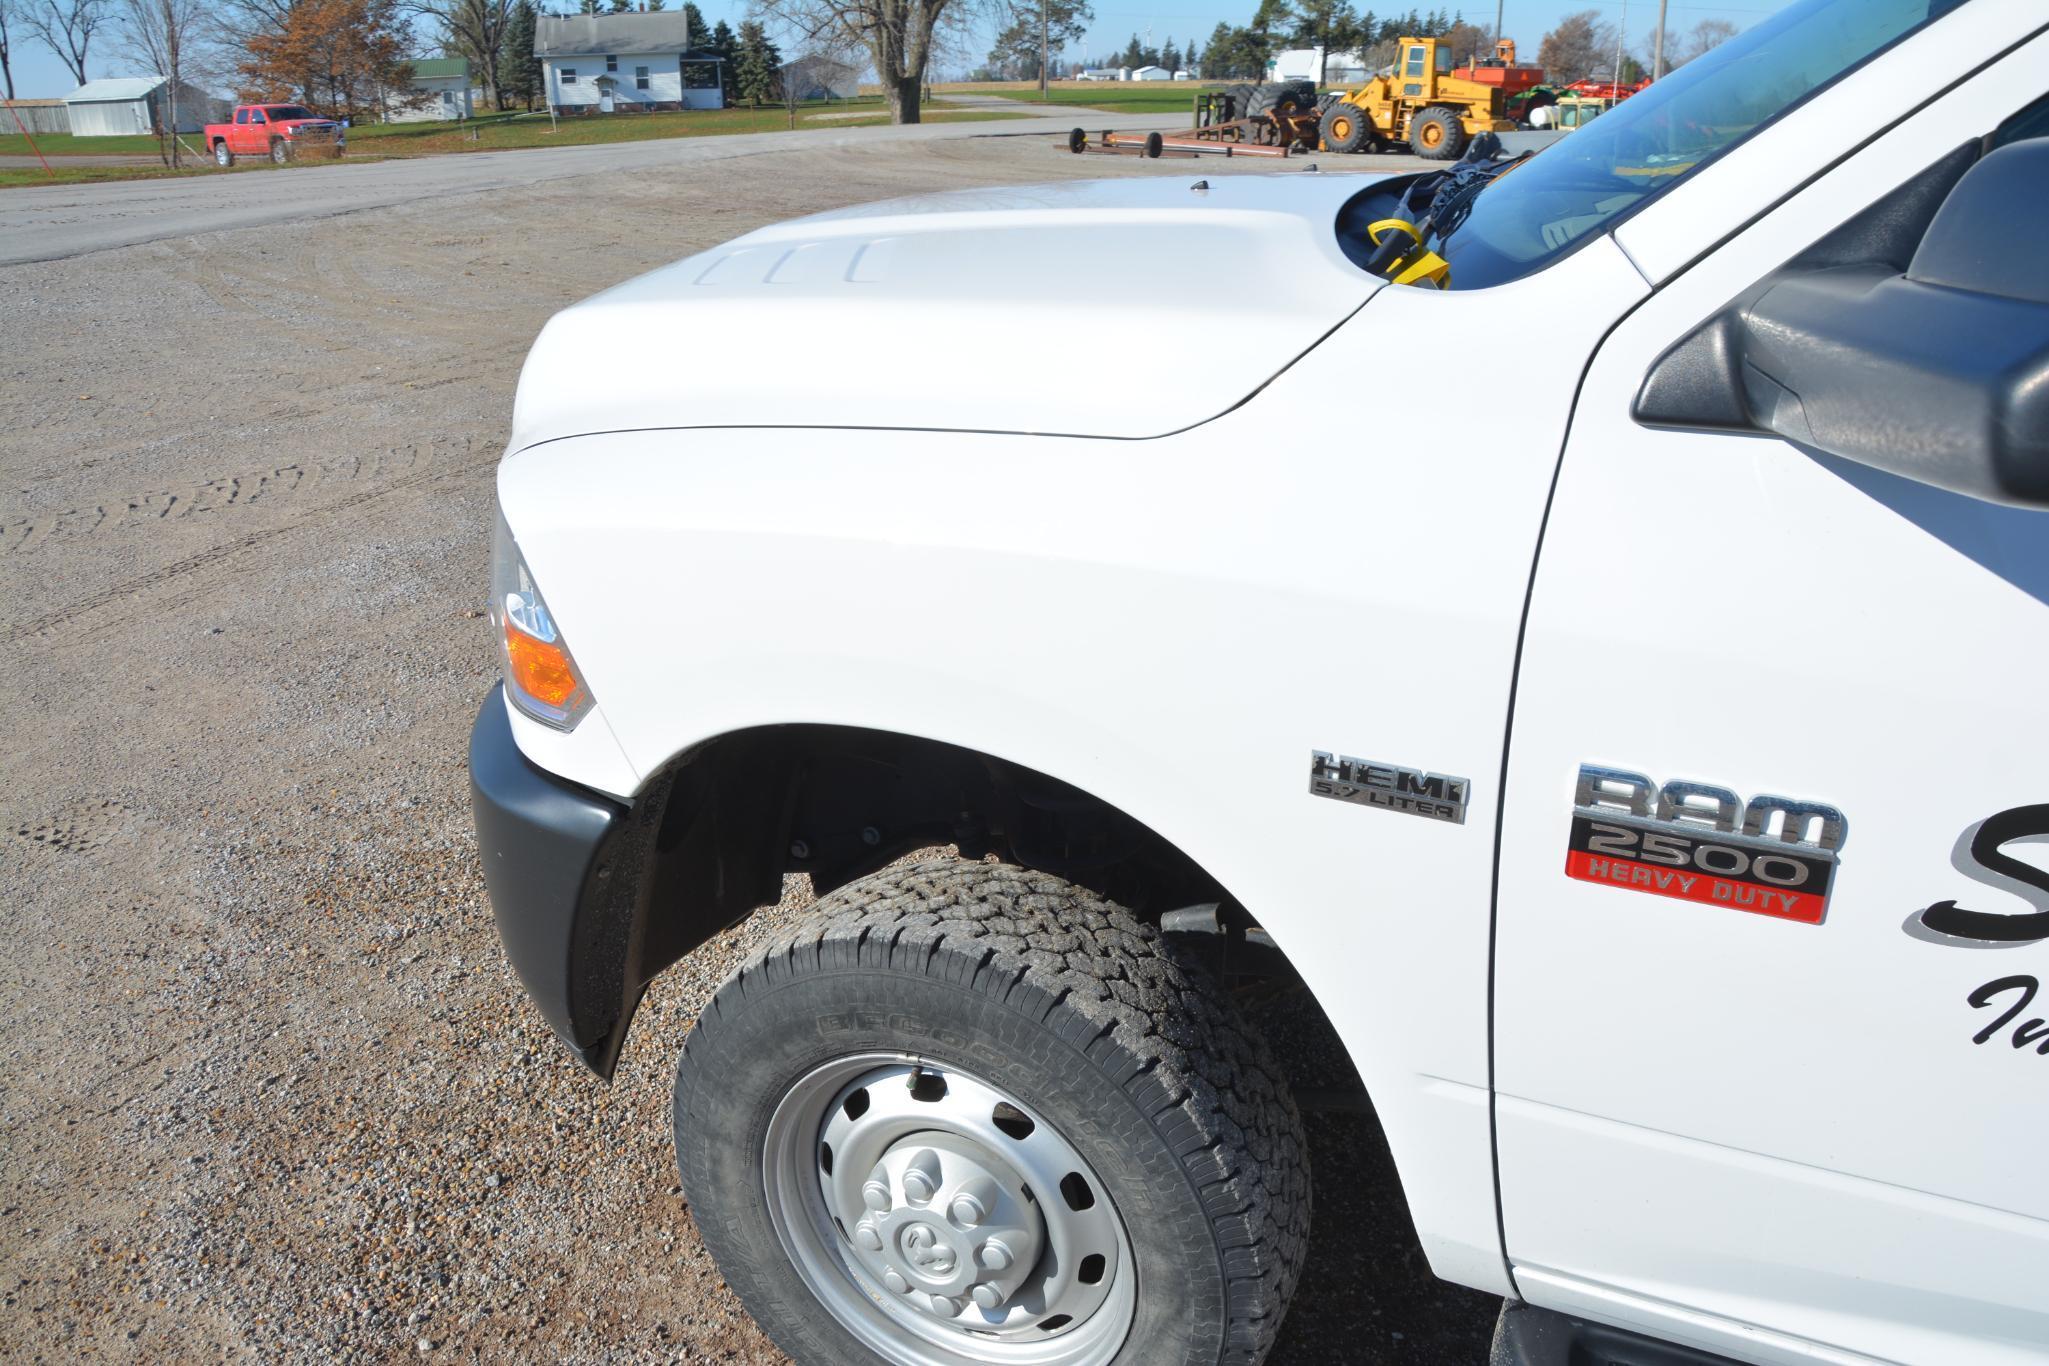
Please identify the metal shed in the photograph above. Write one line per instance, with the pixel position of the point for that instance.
(122, 106)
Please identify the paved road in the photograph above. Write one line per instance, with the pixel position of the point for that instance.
(71, 220)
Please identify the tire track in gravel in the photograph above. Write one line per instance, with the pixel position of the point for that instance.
(266, 486)
(51, 622)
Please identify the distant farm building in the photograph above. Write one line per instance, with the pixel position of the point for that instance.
(607, 63)
(122, 106)
(1150, 73)
(36, 116)
(440, 89)
(821, 78)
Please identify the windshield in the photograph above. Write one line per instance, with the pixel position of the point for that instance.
(1652, 140)
(291, 111)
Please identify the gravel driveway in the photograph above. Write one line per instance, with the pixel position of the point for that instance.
(269, 1088)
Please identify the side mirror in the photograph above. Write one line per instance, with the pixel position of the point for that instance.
(1939, 374)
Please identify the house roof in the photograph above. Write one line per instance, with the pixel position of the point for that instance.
(613, 35)
(111, 88)
(434, 68)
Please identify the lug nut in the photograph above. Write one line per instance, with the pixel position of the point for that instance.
(921, 1178)
(986, 1295)
(895, 1281)
(993, 1255)
(868, 1236)
(875, 1196)
(948, 1305)
(974, 1200)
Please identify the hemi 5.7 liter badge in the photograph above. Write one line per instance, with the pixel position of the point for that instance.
(1773, 855)
(1389, 786)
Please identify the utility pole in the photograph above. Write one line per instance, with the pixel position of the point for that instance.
(1045, 46)
(1497, 19)
(1615, 76)
(1658, 48)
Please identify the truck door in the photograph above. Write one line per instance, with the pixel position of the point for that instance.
(1756, 1089)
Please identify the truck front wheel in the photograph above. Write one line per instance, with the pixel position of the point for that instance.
(279, 151)
(222, 157)
(973, 1114)
(1437, 134)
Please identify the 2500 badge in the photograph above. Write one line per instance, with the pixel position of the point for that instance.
(1696, 842)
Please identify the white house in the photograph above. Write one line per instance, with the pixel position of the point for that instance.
(440, 90)
(600, 63)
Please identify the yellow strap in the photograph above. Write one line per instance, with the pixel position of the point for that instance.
(1422, 268)
(1373, 230)
(1417, 266)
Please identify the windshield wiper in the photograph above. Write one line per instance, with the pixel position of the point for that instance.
(1443, 199)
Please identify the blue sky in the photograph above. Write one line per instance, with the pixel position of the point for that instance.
(38, 73)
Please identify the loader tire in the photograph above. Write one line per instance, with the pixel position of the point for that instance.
(1437, 135)
(873, 1040)
(1237, 101)
(1346, 128)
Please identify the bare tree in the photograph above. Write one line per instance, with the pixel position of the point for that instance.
(476, 30)
(66, 27)
(162, 36)
(1705, 37)
(6, 45)
(901, 37)
(1577, 47)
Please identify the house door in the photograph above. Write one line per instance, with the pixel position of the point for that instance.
(605, 99)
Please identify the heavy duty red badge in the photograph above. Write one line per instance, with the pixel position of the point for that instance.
(1685, 842)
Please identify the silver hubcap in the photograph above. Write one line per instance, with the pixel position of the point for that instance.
(942, 1222)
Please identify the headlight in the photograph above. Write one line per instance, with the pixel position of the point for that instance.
(540, 677)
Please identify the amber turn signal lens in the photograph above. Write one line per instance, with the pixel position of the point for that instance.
(540, 668)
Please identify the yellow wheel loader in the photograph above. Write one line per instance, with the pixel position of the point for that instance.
(1420, 104)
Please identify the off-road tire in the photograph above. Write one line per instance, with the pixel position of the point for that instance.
(1067, 1001)
(1444, 121)
(1238, 101)
(222, 157)
(1346, 128)
(1275, 94)
(279, 153)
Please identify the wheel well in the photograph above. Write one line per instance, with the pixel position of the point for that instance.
(733, 815)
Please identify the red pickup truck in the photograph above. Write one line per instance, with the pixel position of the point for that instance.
(278, 131)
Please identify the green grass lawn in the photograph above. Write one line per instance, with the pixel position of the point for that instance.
(65, 145)
(534, 130)
(493, 132)
(1114, 97)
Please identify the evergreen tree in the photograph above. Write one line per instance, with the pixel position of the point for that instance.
(760, 76)
(1170, 56)
(1133, 54)
(519, 71)
(1015, 54)
(723, 45)
(654, 6)
(621, 6)
(693, 17)
(589, 7)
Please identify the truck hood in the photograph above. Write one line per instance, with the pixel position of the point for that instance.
(1128, 308)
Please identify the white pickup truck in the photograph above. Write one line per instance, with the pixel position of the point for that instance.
(1557, 732)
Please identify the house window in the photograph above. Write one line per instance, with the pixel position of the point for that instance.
(569, 75)
(611, 65)
(640, 81)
